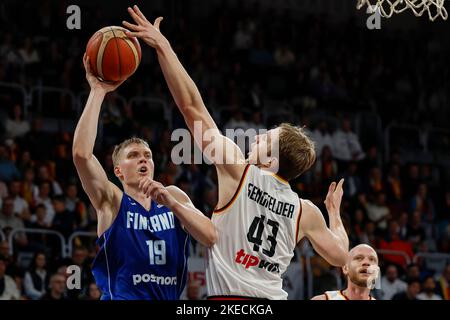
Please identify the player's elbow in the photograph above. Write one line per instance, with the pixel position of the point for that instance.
(211, 237)
(339, 258)
(212, 240)
(79, 155)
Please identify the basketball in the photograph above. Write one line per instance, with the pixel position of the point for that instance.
(113, 56)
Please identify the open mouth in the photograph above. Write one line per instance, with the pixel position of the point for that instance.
(143, 170)
(364, 271)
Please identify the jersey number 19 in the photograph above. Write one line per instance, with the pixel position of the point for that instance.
(157, 252)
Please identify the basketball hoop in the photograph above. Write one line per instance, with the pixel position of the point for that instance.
(387, 8)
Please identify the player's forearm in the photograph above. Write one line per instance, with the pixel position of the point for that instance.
(338, 229)
(86, 130)
(199, 226)
(181, 86)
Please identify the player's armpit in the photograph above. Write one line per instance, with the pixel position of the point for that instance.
(324, 241)
(95, 183)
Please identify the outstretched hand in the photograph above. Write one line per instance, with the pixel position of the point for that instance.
(143, 29)
(96, 83)
(334, 197)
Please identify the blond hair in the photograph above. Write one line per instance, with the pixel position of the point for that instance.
(118, 148)
(296, 151)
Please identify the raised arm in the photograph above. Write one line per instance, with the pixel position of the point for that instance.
(93, 177)
(331, 243)
(228, 158)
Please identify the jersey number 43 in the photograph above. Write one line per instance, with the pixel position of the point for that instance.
(255, 232)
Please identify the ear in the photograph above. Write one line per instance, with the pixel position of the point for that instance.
(274, 164)
(345, 270)
(118, 172)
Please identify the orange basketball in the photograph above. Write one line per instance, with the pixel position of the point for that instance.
(113, 56)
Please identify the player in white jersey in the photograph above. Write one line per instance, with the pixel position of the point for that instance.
(259, 218)
(362, 272)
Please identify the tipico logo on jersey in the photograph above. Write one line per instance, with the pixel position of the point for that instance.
(146, 278)
(251, 261)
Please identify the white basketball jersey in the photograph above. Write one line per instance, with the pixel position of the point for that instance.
(257, 235)
(338, 295)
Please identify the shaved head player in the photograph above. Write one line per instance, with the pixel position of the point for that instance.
(361, 270)
(259, 219)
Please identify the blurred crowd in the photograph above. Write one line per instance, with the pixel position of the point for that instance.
(246, 59)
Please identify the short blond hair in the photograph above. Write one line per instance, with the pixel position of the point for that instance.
(296, 151)
(118, 148)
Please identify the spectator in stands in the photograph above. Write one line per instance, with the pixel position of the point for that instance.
(346, 145)
(64, 220)
(422, 203)
(416, 232)
(44, 175)
(43, 197)
(36, 278)
(8, 287)
(8, 221)
(28, 53)
(322, 137)
(39, 218)
(391, 284)
(25, 162)
(75, 205)
(21, 208)
(8, 170)
(412, 271)
(237, 121)
(394, 184)
(372, 160)
(37, 141)
(326, 166)
(57, 288)
(242, 39)
(283, 56)
(375, 182)
(403, 225)
(3, 192)
(428, 288)
(15, 125)
(92, 292)
(29, 188)
(352, 185)
(369, 237)
(193, 290)
(393, 242)
(357, 228)
(64, 168)
(444, 283)
(412, 181)
(411, 291)
(377, 211)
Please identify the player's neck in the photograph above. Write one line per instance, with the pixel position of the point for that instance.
(137, 195)
(354, 292)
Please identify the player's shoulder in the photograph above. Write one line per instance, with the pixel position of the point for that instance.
(178, 194)
(320, 297)
(308, 206)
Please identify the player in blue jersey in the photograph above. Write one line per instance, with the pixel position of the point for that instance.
(143, 230)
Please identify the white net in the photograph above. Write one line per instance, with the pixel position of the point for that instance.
(434, 8)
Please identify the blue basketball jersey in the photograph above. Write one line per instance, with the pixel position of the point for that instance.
(143, 255)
